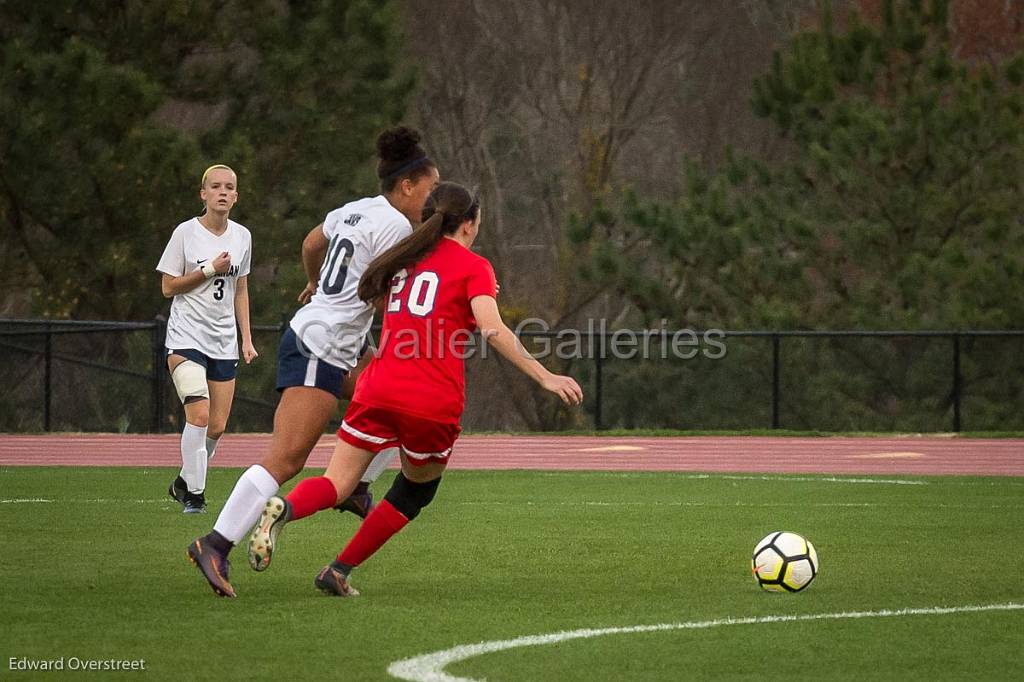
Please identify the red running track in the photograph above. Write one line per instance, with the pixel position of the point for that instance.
(908, 455)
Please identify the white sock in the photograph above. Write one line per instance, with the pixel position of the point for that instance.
(378, 464)
(245, 503)
(211, 447)
(193, 457)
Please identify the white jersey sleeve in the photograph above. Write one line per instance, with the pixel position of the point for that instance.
(172, 262)
(246, 264)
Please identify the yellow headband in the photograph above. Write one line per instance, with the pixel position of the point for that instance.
(215, 167)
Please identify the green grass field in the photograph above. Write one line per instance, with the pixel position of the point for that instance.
(99, 572)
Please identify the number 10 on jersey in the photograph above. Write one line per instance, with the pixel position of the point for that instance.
(422, 292)
(334, 271)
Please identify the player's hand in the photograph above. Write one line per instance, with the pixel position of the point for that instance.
(249, 352)
(497, 288)
(307, 293)
(565, 388)
(222, 263)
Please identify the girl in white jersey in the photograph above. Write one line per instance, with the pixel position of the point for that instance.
(205, 269)
(324, 341)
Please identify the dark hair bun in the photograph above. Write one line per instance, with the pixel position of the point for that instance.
(398, 144)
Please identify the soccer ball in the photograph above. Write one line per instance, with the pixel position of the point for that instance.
(784, 562)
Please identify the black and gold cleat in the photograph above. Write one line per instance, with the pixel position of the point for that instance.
(360, 502)
(213, 563)
(333, 580)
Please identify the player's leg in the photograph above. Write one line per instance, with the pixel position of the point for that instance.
(222, 398)
(193, 453)
(322, 492)
(423, 462)
(363, 431)
(299, 421)
(309, 496)
(188, 374)
(220, 377)
(360, 501)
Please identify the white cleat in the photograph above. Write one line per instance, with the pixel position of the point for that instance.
(275, 514)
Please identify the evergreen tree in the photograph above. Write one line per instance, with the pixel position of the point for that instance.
(895, 203)
(110, 111)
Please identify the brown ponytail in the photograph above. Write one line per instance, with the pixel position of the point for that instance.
(447, 207)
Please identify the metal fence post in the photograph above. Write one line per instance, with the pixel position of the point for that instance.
(956, 383)
(47, 378)
(158, 375)
(776, 342)
(597, 391)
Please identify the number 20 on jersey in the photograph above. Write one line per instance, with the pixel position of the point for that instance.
(422, 292)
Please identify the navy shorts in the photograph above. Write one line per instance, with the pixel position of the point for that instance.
(216, 370)
(297, 366)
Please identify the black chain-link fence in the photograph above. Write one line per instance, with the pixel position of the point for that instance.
(824, 381)
(107, 376)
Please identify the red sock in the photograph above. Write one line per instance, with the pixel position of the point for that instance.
(377, 528)
(312, 495)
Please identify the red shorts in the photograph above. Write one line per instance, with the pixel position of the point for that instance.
(376, 429)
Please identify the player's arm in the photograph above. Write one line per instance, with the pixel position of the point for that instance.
(497, 333)
(172, 286)
(314, 250)
(242, 314)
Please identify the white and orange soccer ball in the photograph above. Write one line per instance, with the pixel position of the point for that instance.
(784, 562)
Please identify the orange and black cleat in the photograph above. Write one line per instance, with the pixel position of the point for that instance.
(213, 564)
(333, 580)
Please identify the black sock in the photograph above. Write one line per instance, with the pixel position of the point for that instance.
(344, 569)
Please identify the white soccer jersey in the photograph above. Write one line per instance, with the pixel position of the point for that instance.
(335, 322)
(204, 318)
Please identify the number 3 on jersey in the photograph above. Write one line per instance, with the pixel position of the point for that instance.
(421, 294)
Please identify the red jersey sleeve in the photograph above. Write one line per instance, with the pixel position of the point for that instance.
(481, 280)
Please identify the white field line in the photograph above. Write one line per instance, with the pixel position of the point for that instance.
(97, 500)
(585, 503)
(940, 480)
(756, 505)
(430, 667)
(734, 477)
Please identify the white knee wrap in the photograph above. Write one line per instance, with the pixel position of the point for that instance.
(190, 381)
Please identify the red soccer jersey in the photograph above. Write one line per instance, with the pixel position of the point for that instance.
(428, 321)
